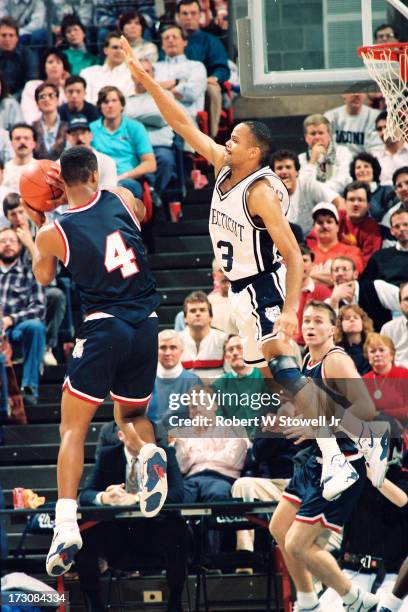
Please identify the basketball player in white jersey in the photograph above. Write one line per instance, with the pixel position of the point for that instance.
(251, 236)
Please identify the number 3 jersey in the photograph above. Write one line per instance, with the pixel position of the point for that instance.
(106, 257)
(242, 247)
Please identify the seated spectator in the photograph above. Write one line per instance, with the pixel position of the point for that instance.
(164, 535)
(79, 134)
(124, 139)
(203, 349)
(114, 71)
(392, 154)
(10, 111)
(326, 245)
(186, 79)
(171, 376)
(353, 124)
(310, 290)
(385, 33)
(389, 396)
(208, 49)
(357, 228)
(304, 192)
(31, 18)
(55, 297)
(75, 92)
(23, 142)
(142, 107)
(18, 63)
(346, 288)
(23, 311)
(397, 329)
(400, 182)
(352, 328)
(51, 131)
(366, 168)
(82, 9)
(220, 301)
(132, 25)
(54, 68)
(324, 161)
(73, 41)
(107, 14)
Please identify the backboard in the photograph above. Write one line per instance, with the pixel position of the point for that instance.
(295, 47)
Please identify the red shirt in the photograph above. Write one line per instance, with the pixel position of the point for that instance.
(320, 293)
(322, 257)
(390, 393)
(365, 235)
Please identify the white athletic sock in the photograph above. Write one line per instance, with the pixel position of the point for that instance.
(390, 601)
(307, 600)
(353, 594)
(327, 443)
(65, 510)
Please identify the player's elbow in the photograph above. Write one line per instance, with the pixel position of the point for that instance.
(43, 276)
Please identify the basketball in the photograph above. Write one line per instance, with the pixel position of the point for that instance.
(34, 188)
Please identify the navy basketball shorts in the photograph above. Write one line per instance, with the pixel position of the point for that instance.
(255, 309)
(112, 356)
(305, 491)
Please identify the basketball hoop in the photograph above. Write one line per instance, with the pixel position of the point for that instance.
(387, 65)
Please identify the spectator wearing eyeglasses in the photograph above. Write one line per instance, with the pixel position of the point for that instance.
(51, 131)
(393, 154)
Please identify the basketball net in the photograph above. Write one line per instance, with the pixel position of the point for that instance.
(388, 67)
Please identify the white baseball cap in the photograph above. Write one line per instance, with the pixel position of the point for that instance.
(325, 207)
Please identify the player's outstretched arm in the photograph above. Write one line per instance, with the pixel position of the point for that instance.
(174, 114)
(263, 202)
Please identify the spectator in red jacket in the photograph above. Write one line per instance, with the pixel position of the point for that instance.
(356, 227)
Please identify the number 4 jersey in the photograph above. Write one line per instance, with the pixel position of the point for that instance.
(242, 247)
(105, 255)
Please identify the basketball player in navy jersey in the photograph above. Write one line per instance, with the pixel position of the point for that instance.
(303, 516)
(251, 237)
(98, 240)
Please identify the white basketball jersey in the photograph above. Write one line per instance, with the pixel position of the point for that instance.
(243, 249)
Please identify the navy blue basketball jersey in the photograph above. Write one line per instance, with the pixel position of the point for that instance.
(316, 371)
(105, 255)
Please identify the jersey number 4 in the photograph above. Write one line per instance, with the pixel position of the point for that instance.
(118, 255)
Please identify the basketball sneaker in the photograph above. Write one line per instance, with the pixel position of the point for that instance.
(363, 602)
(316, 608)
(337, 476)
(375, 450)
(153, 462)
(64, 546)
(382, 609)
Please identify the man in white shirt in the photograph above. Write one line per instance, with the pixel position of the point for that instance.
(392, 155)
(353, 124)
(305, 191)
(186, 79)
(324, 161)
(400, 181)
(23, 142)
(397, 329)
(113, 72)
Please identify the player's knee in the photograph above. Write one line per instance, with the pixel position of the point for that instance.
(285, 370)
(293, 546)
(278, 531)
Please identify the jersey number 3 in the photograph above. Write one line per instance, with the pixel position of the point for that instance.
(117, 255)
(227, 254)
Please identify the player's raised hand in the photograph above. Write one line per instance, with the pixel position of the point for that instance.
(287, 323)
(135, 67)
(36, 216)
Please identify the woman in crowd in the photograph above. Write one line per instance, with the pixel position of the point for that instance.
(55, 69)
(132, 25)
(10, 111)
(386, 382)
(352, 329)
(51, 131)
(367, 169)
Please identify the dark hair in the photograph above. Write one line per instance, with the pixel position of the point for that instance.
(381, 116)
(401, 210)
(4, 87)
(58, 53)
(77, 164)
(401, 287)
(10, 202)
(70, 20)
(45, 85)
(305, 250)
(26, 126)
(10, 22)
(382, 27)
(173, 26)
(323, 306)
(262, 137)
(75, 78)
(358, 185)
(1, 164)
(187, 3)
(195, 297)
(282, 154)
(105, 91)
(402, 170)
(109, 36)
(129, 16)
(369, 159)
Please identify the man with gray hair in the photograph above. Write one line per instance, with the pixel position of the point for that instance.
(172, 379)
(324, 161)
